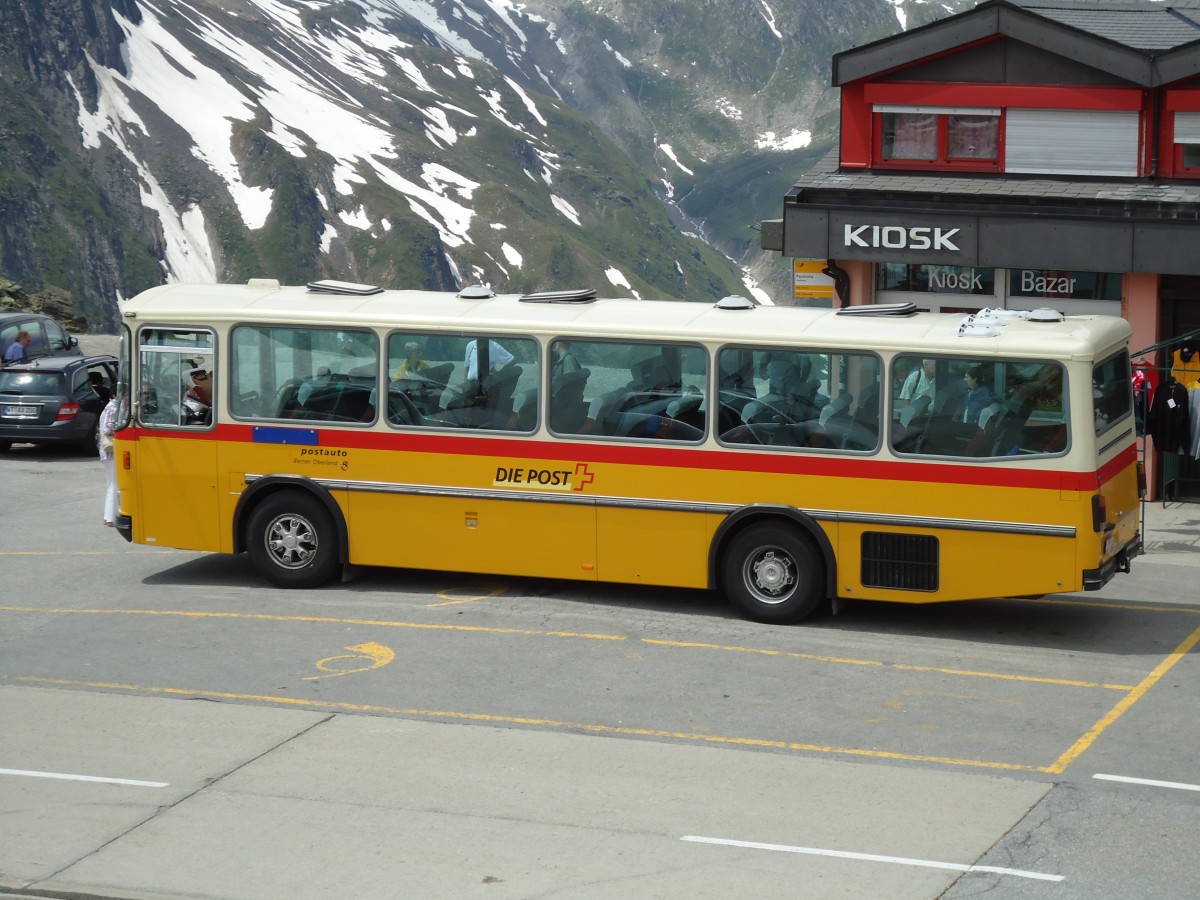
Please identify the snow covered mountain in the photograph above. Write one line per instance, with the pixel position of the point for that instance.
(627, 145)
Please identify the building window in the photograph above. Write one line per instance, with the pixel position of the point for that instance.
(1187, 143)
(938, 137)
(1056, 284)
(935, 279)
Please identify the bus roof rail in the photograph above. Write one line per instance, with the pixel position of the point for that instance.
(581, 295)
(879, 309)
(330, 286)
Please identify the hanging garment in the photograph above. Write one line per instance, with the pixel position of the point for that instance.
(1170, 418)
(1194, 446)
(1145, 381)
(1185, 366)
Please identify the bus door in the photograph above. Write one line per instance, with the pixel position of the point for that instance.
(174, 459)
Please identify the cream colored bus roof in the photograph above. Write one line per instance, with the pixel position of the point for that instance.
(264, 302)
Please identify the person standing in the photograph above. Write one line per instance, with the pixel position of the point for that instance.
(104, 440)
(921, 382)
(18, 348)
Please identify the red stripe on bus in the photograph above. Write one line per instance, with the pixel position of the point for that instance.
(681, 457)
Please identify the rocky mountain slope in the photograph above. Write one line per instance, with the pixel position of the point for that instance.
(627, 145)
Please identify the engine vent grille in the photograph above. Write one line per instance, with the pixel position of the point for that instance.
(905, 562)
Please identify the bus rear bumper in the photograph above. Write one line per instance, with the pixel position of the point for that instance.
(124, 527)
(1094, 579)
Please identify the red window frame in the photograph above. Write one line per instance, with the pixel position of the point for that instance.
(942, 160)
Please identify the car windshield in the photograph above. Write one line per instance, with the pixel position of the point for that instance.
(24, 382)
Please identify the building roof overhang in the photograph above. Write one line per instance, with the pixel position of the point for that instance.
(1147, 44)
(1078, 223)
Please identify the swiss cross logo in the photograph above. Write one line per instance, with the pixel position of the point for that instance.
(583, 477)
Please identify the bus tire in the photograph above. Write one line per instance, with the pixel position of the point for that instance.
(772, 573)
(292, 540)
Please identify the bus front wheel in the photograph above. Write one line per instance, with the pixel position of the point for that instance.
(292, 540)
(771, 573)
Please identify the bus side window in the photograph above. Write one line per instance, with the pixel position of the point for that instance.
(637, 391)
(976, 408)
(307, 374)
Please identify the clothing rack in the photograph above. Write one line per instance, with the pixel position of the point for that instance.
(1162, 345)
(1170, 469)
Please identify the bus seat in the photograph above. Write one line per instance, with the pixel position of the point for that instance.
(402, 410)
(838, 406)
(650, 374)
(686, 409)
(524, 415)
(570, 387)
(987, 413)
(495, 408)
(568, 409)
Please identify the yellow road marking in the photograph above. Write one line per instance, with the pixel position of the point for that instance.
(1102, 604)
(376, 654)
(965, 673)
(327, 620)
(1076, 750)
(724, 648)
(589, 728)
(455, 601)
(85, 552)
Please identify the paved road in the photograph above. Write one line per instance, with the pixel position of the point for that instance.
(417, 734)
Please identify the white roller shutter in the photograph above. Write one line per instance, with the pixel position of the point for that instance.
(1071, 142)
(1187, 127)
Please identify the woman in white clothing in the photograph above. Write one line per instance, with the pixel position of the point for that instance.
(104, 440)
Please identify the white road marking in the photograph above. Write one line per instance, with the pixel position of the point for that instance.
(1178, 785)
(66, 777)
(872, 857)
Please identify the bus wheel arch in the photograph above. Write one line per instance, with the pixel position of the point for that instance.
(774, 564)
(293, 530)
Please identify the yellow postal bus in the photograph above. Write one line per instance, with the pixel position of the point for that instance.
(788, 457)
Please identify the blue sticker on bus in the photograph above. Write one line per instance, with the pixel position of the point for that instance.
(265, 434)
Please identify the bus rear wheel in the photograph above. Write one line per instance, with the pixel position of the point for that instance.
(771, 573)
(292, 540)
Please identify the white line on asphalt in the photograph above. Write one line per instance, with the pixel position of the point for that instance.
(872, 857)
(67, 777)
(1178, 785)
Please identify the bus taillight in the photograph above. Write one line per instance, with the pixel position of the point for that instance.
(1141, 476)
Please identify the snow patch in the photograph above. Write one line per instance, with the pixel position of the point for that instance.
(565, 208)
(510, 253)
(670, 153)
(796, 140)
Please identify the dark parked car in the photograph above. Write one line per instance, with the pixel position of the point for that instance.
(46, 337)
(54, 399)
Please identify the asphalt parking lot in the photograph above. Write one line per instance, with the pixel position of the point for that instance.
(189, 731)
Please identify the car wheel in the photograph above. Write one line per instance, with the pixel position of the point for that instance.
(292, 540)
(772, 573)
(4, 445)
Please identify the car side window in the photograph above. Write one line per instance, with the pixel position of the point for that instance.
(56, 338)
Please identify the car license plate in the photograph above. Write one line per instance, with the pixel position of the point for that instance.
(24, 411)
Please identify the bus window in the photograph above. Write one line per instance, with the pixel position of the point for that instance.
(309, 374)
(632, 390)
(462, 381)
(177, 377)
(818, 400)
(961, 406)
(1112, 391)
